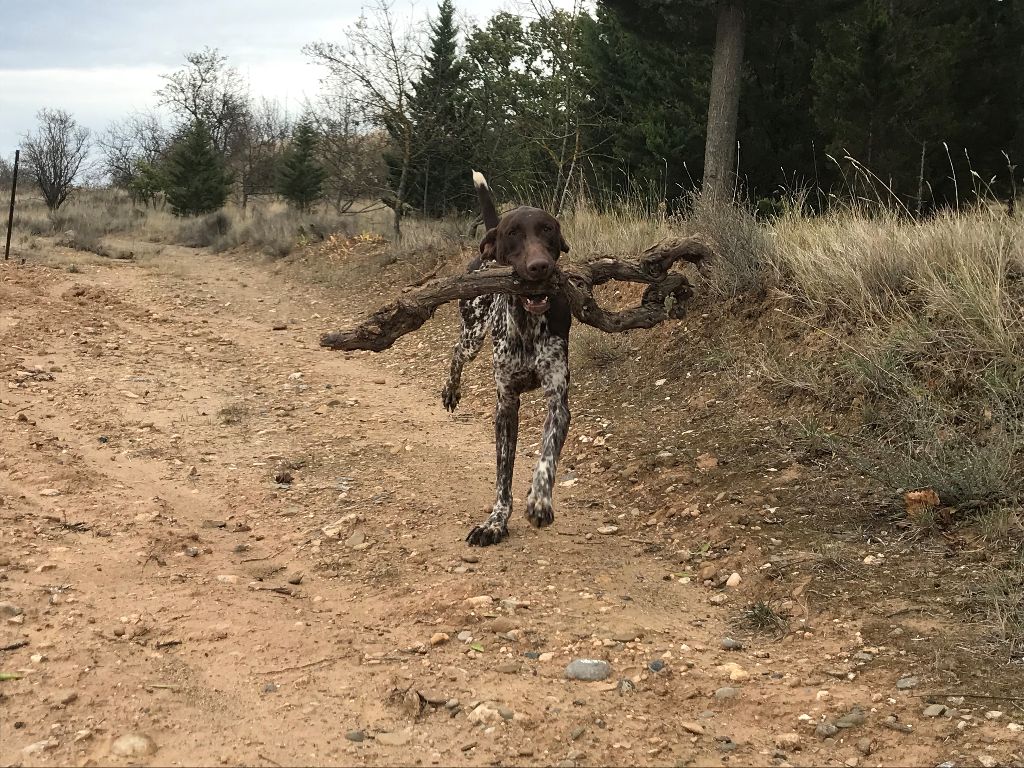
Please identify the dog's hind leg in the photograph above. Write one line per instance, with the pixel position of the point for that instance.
(555, 380)
(506, 436)
(475, 322)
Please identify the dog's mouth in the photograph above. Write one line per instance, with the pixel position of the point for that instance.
(536, 305)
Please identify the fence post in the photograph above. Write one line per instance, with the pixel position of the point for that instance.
(10, 216)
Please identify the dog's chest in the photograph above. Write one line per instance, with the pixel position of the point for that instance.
(523, 342)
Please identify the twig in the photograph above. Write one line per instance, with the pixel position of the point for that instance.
(265, 557)
(261, 756)
(307, 665)
(938, 694)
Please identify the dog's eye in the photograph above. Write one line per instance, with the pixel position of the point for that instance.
(547, 229)
(514, 232)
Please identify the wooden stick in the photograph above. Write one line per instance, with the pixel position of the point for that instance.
(664, 298)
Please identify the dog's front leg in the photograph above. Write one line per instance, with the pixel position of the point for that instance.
(506, 435)
(475, 322)
(539, 509)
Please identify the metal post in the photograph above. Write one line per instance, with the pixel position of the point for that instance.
(10, 216)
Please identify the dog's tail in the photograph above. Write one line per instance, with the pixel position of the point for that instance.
(487, 207)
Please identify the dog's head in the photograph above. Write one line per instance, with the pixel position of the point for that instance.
(530, 241)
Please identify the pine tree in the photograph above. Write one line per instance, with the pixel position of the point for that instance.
(438, 109)
(197, 180)
(300, 177)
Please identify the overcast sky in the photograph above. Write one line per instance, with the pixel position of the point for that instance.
(101, 59)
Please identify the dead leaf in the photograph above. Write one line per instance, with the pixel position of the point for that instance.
(707, 461)
(919, 502)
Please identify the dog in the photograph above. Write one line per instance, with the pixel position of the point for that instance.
(531, 350)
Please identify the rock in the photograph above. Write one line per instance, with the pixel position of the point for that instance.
(608, 530)
(892, 723)
(355, 539)
(506, 713)
(906, 683)
(226, 578)
(788, 741)
(9, 610)
(852, 719)
(993, 714)
(590, 670)
(626, 635)
(733, 581)
(470, 559)
(691, 727)
(485, 713)
(439, 638)
(192, 552)
(865, 746)
(935, 710)
(284, 477)
(825, 730)
(718, 599)
(728, 644)
(480, 601)
(508, 668)
(67, 697)
(133, 745)
(656, 665)
(727, 693)
(37, 748)
(270, 688)
(862, 656)
(49, 492)
(502, 624)
(394, 738)
(734, 672)
(356, 736)
(546, 657)
(296, 579)
(465, 636)
(625, 686)
(1015, 727)
(988, 761)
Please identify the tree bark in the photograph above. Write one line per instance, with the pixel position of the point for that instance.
(724, 102)
(664, 298)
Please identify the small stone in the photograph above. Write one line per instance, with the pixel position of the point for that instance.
(733, 581)
(470, 559)
(485, 713)
(608, 530)
(68, 697)
(906, 683)
(691, 727)
(394, 738)
(9, 610)
(480, 601)
(852, 719)
(49, 492)
(987, 761)
(993, 714)
(935, 710)
(356, 736)
(865, 746)
(1015, 727)
(439, 638)
(656, 665)
(296, 579)
(37, 748)
(355, 539)
(192, 552)
(862, 656)
(718, 599)
(226, 578)
(727, 693)
(728, 644)
(269, 688)
(451, 704)
(788, 741)
(506, 713)
(590, 670)
(133, 745)
(546, 657)
(465, 636)
(825, 730)
(508, 668)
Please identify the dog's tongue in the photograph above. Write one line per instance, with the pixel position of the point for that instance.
(536, 304)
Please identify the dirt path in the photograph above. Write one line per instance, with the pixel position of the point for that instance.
(167, 585)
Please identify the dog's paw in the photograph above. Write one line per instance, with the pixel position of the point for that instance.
(539, 512)
(450, 396)
(487, 534)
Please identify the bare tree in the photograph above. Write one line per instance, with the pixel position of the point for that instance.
(724, 102)
(263, 131)
(377, 64)
(139, 141)
(6, 173)
(352, 156)
(208, 90)
(55, 154)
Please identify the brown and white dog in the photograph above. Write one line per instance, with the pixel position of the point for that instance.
(531, 350)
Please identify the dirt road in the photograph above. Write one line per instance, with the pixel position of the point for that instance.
(243, 549)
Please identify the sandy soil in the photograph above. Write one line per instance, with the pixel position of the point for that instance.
(159, 578)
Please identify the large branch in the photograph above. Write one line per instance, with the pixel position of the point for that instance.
(664, 298)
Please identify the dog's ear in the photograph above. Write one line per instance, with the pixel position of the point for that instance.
(562, 245)
(488, 244)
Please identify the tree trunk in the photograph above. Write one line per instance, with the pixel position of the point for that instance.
(724, 102)
(403, 182)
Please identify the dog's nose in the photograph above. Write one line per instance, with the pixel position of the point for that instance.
(538, 270)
